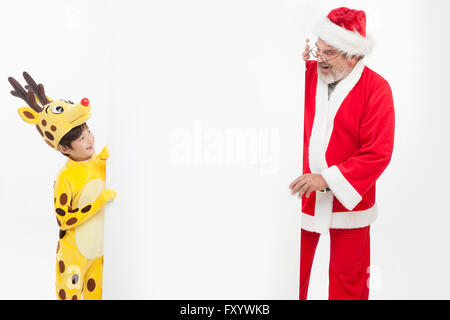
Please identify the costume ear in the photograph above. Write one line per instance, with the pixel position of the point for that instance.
(28, 115)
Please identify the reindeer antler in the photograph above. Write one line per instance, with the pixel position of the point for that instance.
(38, 89)
(28, 96)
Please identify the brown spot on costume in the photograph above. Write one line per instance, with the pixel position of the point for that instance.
(63, 199)
(39, 130)
(62, 267)
(49, 143)
(71, 221)
(91, 284)
(62, 294)
(61, 212)
(49, 135)
(86, 209)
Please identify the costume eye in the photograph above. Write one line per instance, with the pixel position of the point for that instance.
(57, 109)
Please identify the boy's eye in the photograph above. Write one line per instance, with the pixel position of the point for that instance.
(57, 109)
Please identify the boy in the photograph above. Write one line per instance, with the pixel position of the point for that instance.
(79, 191)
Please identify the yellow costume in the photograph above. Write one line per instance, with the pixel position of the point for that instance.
(80, 197)
(79, 194)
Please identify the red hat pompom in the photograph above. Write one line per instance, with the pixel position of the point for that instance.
(350, 19)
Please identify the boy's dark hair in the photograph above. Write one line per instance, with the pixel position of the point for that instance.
(72, 135)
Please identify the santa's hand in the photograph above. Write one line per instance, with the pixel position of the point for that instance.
(306, 52)
(308, 183)
(108, 194)
(104, 154)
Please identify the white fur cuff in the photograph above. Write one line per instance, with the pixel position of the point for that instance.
(341, 188)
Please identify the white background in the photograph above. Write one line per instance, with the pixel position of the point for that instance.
(201, 105)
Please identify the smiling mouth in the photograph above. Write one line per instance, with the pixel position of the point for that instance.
(78, 118)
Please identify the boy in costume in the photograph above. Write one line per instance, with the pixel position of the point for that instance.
(79, 191)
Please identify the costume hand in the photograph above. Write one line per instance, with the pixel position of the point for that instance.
(307, 183)
(104, 154)
(108, 194)
(306, 52)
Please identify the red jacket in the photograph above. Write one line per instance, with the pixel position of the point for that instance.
(348, 139)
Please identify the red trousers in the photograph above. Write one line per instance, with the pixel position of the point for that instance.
(349, 263)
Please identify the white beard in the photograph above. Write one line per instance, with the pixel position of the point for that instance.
(334, 75)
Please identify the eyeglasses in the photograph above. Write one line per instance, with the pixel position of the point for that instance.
(325, 57)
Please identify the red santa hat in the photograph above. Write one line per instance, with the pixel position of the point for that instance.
(345, 29)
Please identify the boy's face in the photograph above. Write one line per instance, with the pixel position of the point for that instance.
(82, 148)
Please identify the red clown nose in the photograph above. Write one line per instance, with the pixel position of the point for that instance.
(85, 102)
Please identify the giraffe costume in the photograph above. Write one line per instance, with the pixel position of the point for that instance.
(79, 193)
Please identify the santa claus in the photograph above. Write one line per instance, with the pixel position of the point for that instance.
(348, 143)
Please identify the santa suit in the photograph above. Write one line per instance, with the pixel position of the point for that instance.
(349, 140)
